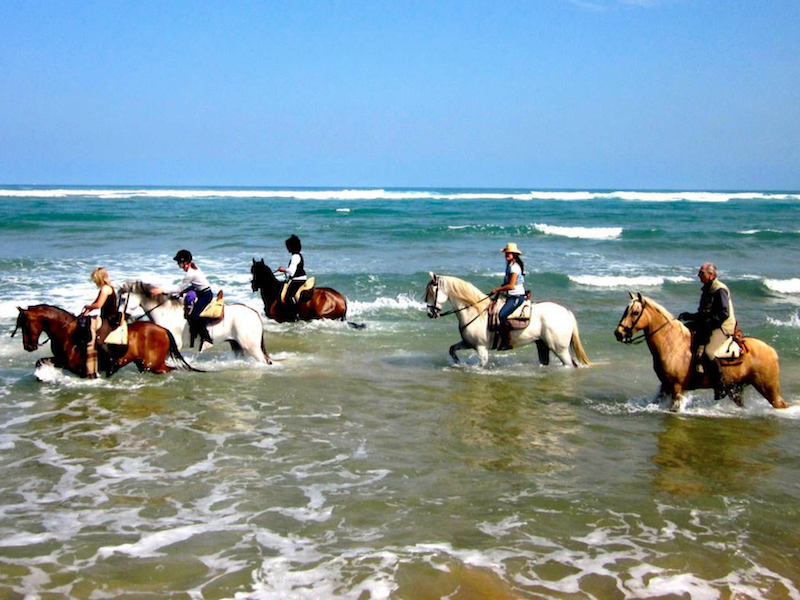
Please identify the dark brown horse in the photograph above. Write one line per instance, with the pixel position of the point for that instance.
(148, 344)
(319, 303)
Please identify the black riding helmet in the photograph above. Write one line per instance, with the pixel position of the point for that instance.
(183, 256)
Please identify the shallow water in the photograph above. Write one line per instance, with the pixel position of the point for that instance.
(363, 464)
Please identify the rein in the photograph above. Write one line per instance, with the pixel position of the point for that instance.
(147, 312)
(638, 340)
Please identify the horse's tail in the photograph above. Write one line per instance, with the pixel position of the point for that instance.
(352, 324)
(176, 355)
(577, 347)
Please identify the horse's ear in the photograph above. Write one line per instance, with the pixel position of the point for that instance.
(639, 295)
(433, 275)
(254, 261)
(631, 295)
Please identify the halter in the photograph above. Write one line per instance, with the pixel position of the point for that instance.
(629, 330)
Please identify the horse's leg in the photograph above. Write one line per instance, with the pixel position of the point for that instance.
(454, 348)
(771, 392)
(734, 392)
(544, 353)
(562, 352)
(766, 380)
(483, 355)
(678, 400)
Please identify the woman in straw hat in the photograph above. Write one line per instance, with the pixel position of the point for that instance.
(514, 288)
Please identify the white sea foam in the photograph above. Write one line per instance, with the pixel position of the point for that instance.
(400, 302)
(621, 281)
(793, 321)
(589, 233)
(783, 286)
(382, 194)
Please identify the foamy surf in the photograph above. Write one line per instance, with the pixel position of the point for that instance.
(587, 233)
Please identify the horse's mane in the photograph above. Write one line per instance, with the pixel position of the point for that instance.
(464, 290)
(658, 307)
(146, 289)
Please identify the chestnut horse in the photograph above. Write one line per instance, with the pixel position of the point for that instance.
(670, 343)
(148, 344)
(320, 303)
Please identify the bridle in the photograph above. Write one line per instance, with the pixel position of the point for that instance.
(629, 329)
(22, 321)
(435, 312)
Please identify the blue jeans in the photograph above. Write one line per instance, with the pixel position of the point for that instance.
(512, 302)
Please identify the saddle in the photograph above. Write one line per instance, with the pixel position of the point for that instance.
(519, 319)
(307, 286)
(215, 309)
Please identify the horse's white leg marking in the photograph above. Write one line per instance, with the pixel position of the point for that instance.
(678, 402)
(483, 355)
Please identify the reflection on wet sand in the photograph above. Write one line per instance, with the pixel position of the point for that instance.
(711, 456)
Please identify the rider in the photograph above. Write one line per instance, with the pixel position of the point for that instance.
(106, 301)
(295, 271)
(514, 288)
(197, 290)
(713, 324)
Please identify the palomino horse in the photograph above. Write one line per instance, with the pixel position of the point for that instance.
(552, 326)
(240, 325)
(148, 345)
(323, 303)
(670, 343)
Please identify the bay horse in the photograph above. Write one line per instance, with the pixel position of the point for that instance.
(553, 327)
(321, 303)
(670, 343)
(240, 325)
(148, 344)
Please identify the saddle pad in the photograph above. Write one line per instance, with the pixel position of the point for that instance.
(308, 285)
(215, 308)
(119, 335)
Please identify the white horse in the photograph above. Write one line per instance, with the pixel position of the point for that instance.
(552, 326)
(240, 325)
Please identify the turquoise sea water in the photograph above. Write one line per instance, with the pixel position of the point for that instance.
(365, 465)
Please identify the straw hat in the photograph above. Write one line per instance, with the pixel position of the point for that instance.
(511, 247)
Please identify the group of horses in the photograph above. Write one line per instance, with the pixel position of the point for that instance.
(551, 326)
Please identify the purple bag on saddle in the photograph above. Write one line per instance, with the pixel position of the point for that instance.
(188, 302)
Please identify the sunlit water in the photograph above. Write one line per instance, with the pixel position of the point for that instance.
(363, 464)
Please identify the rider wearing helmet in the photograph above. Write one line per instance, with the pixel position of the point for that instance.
(197, 292)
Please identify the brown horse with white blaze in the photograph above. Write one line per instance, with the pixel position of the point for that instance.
(670, 343)
(148, 344)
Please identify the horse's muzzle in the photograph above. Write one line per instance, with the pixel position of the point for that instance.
(433, 312)
(622, 335)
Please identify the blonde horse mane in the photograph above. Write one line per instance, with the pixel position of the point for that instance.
(464, 290)
(658, 307)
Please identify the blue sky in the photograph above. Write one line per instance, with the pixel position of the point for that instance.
(681, 94)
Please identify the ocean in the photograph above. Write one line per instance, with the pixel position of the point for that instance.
(363, 464)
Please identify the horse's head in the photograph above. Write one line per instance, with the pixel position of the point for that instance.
(633, 319)
(262, 276)
(135, 294)
(31, 325)
(435, 296)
